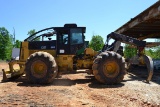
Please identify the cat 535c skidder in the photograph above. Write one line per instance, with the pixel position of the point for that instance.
(65, 50)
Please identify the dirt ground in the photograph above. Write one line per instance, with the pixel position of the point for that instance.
(77, 90)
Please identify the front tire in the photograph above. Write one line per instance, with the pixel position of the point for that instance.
(41, 68)
(109, 68)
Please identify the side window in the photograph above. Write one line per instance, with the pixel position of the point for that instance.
(76, 36)
(63, 39)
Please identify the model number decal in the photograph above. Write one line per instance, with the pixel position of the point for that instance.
(53, 47)
(43, 47)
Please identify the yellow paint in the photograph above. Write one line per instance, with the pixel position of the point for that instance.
(111, 69)
(141, 60)
(90, 51)
(24, 51)
(65, 62)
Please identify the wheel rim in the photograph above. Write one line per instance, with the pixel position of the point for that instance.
(111, 69)
(39, 69)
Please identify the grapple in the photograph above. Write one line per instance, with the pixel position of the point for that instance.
(149, 63)
(143, 60)
(139, 59)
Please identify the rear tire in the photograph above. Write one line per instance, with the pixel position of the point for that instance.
(41, 68)
(109, 68)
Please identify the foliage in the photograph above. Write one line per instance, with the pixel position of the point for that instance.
(5, 44)
(17, 44)
(154, 52)
(129, 51)
(31, 32)
(96, 43)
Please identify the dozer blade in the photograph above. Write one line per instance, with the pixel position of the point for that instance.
(149, 63)
(10, 76)
(4, 76)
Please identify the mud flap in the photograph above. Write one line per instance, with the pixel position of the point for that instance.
(149, 63)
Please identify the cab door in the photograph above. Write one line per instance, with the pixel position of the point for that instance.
(63, 43)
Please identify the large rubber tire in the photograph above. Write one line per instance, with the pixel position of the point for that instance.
(109, 68)
(41, 68)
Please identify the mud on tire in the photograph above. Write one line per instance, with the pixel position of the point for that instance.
(109, 68)
(41, 68)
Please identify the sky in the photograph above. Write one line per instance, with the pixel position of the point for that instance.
(100, 17)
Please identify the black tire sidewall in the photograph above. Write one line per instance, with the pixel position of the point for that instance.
(111, 80)
(49, 74)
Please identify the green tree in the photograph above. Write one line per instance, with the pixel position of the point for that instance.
(154, 52)
(129, 51)
(31, 32)
(5, 44)
(96, 43)
(150, 52)
(17, 44)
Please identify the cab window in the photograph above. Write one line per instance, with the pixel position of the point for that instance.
(76, 36)
(63, 38)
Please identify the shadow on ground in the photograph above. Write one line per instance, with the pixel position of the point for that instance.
(138, 74)
(89, 80)
(141, 74)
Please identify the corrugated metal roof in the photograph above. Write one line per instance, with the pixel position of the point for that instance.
(145, 25)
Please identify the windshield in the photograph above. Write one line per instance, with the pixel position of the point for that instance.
(76, 36)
